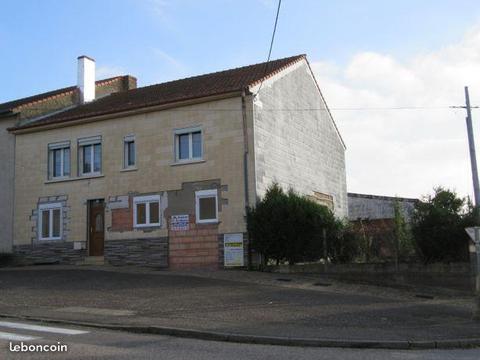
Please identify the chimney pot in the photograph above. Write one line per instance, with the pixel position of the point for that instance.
(86, 78)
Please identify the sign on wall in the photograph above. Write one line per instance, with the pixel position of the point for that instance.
(179, 222)
(233, 249)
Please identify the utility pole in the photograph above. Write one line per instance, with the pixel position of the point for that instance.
(476, 193)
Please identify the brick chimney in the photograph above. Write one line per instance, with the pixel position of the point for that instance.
(86, 78)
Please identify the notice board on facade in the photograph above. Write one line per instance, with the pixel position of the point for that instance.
(233, 250)
(179, 222)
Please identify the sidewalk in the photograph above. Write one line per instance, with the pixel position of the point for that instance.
(236, 303)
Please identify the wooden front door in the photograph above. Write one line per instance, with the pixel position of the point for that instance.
(96, 233)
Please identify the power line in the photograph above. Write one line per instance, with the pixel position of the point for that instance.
(271, 44)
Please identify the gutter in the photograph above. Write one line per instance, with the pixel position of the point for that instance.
(245, 167)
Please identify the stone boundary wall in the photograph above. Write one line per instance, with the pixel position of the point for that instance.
(454, 276)
(143, 252)
(48, 253)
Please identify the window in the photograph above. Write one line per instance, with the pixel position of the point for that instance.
(90, 156)
(49, 221)
(59, 160)
(206, 206)
(129, 152)
(188, 144)
(146, 211)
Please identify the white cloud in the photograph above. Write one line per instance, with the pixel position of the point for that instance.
(405, 152)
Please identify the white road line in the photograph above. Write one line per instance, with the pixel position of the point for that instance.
(48, 329)
(16, 337)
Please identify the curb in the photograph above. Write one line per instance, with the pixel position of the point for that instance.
(265, 340)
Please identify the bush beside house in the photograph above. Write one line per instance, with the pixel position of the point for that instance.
(288, 227)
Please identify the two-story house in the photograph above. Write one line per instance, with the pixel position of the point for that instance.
(162, 175)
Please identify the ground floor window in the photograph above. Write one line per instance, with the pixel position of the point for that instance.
(206, 206)
(50, 220)
(146, 211)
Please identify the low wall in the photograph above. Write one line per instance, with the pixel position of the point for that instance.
(454, 276)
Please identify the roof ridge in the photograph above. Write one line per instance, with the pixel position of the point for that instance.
(293, 58)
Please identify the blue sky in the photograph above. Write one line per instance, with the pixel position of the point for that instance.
(161, 40)
(366, 54)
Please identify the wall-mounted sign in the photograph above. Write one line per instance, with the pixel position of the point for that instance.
(179, 222)
(233, 249)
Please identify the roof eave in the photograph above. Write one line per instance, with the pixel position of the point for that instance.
(116, 114)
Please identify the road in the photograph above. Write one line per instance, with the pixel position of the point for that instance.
(88, 343)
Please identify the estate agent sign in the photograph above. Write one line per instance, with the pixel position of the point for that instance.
(233, 249)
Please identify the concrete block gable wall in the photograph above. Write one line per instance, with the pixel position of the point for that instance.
(296, 142)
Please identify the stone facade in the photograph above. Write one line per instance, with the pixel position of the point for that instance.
(50, 252)
(296, 142)
(151, 252)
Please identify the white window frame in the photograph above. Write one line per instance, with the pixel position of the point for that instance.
(51, 165)
(49, 207)
(201, 194)
(126, 140)
(188, 131)
(147, 200)
(96, 140)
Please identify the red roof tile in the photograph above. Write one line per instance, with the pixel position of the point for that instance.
(212, 84)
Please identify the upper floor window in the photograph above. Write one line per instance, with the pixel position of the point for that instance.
(188, 144)
(49, 221)
(59, 160)
(90, 156)
(146, 210)
(129, 152)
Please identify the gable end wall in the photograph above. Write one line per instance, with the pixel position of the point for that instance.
(296, 146)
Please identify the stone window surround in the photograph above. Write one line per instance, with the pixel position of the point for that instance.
(49, 207)
(206, 194)
(146, 199)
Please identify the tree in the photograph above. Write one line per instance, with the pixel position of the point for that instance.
(438, 226)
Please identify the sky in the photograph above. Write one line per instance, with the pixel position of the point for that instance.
(370, 58)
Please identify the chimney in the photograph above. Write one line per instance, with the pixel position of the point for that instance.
(86, 78)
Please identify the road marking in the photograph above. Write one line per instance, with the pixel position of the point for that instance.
(16, 337)
(48, 329)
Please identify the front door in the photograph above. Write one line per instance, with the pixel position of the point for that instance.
(96, 233)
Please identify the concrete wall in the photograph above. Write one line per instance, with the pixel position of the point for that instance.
(7, 148)
(296, 142)
(373, 207)
(155, 173)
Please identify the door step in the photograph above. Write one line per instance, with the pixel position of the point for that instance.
(92, 260)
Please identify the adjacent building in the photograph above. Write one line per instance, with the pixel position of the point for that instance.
(162, 175)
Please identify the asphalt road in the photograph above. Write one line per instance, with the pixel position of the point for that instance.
(88, 343)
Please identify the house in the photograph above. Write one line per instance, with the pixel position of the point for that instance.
(161, 175)
(374, 216)
(28, 109)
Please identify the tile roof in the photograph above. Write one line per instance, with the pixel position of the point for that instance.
(212, 84)
(14, 104)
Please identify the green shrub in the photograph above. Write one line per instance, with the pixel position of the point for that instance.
(438, 226)
(289, 227)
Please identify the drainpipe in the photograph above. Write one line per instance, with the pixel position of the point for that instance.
(245, 167)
